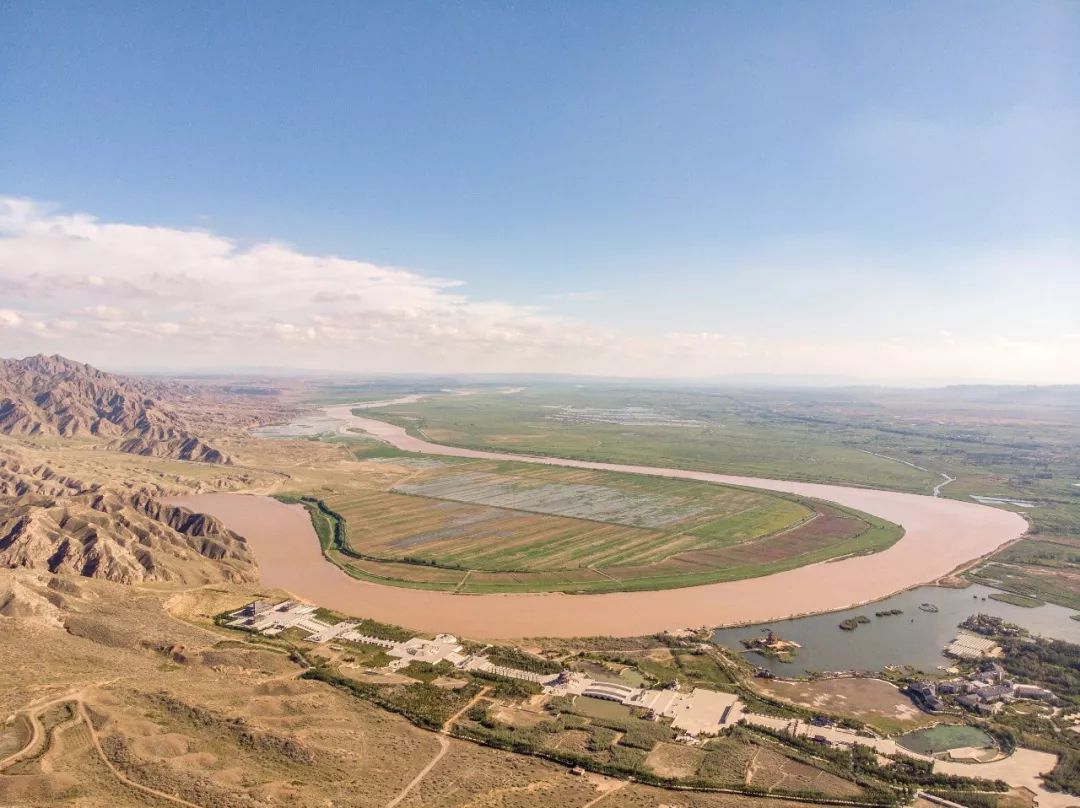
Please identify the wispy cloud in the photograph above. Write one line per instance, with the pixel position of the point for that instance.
(576, 297)
(125, 294)
(209, 294)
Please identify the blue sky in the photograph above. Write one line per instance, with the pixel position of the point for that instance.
(885, 190)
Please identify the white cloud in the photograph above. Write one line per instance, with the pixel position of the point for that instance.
(100, 312)
(9, 318)
(124, 295)
(576, 297)
(194, 294)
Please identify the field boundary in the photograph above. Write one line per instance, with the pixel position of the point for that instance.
(332, 529)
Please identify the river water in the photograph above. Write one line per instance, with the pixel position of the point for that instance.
(913, 638)
(940, 534)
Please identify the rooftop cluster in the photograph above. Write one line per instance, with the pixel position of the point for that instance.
(984, 691)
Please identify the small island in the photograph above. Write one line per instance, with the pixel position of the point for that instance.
(771, 645)
(888, 613)
(853, 623)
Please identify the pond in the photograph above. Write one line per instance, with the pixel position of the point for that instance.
(632, 677)
(601, 708)
(309, 426)
(626, 676)
(915, 637)
(944, 737)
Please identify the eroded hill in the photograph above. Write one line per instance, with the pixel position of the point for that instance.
(52, 395)
(54, 521)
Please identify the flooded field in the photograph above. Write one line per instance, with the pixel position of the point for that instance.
(914, 637)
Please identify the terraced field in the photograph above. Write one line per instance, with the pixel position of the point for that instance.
(504, 526)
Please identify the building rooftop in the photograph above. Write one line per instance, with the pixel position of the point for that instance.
(971, 646)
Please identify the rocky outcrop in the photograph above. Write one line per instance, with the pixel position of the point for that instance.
(20, 476)
(52, 395)
(22, 601)
(128, 539)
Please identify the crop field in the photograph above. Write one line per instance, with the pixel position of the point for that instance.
(1014, 444)
(583, 500)
(501, 527)
(706, 431)
(771, 770)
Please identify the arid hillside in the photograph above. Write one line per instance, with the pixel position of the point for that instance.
(52, 395)
(54, 521)
(147, 703)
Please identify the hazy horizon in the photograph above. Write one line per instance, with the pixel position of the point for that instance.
(733, 381)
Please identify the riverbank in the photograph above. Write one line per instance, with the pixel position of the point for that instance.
(289, 556)
(940, 535)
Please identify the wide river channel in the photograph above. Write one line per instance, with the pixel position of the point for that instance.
(940, 535)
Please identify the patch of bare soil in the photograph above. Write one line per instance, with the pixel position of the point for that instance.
(571, 740)
(450, 683)
(774, 771)
(517, 717)
(872, 700)
(674, 760)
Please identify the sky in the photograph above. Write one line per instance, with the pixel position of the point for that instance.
(882, 191)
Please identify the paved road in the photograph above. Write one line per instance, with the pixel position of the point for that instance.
(1022, 768)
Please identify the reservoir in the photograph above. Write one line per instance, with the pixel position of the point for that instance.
(914, 638)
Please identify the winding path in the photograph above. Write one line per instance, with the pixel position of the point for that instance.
(940, 535)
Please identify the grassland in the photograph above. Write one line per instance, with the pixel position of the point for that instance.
(709, 432)
(1018, 443)
(483, 527)
(1036, 569)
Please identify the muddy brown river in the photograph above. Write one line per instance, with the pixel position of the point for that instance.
(940, 535)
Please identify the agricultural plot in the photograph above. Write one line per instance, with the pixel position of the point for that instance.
(581, 500)
(773, 771)
(506, 526)
(682, 429)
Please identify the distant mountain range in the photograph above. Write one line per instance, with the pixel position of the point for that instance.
(52, 395)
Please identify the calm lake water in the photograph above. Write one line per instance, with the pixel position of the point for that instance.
(309, 426)
(913, 638)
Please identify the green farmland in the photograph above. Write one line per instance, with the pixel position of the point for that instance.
(676, 430)
(1018, 444)
(483, 526)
